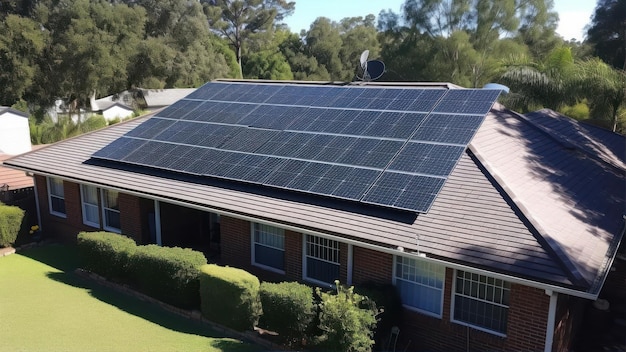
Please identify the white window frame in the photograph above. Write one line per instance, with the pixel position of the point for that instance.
(442, 289)
(85, 205)
(105, 225)
(305, 255)
(276, 231)
(50, 196)
(477, 327)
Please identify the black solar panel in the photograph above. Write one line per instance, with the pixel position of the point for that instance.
(382, 145)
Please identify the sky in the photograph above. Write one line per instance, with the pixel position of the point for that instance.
(574, 15)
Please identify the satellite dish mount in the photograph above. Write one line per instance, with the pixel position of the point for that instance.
(370, 70)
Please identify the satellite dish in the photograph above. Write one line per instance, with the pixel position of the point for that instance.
(504, 89)
(364, 56)
(374, 70)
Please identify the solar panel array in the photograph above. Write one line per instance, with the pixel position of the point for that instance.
(388, 146)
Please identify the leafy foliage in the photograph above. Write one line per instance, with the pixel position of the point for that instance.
(170, 274)
(607, 32)
(230, 296)
(347, 320)
(10, 223)
(106, 254)
(288, 308)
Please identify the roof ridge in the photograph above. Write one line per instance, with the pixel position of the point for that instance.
(545, 238)
(563, 140)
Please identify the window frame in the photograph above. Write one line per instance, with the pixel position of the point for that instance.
(253, 242)
(442, 289)
(105, 225)
(474, 326)
(305, 256)
(84, 204)
(51, 195)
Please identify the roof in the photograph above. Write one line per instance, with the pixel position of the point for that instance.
(519, 202)
(164, 97)
(14, 179)
(4, 109)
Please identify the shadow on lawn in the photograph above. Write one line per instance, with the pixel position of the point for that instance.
(64, 258)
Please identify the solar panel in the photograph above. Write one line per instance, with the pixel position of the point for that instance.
(383, 145)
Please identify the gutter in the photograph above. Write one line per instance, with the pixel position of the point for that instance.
(393, 251)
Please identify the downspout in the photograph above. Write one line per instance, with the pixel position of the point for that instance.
(349, 269)
(157, 222)
(36, 201)
(551, 320)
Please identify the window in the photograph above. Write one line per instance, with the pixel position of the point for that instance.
(268, 247)
(110, 211)
(322, 259)
(481, 301)
(420, 284)
(89, 197)
(56, 197)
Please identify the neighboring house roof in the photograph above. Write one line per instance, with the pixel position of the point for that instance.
(14, 179)
(5, 109)
(105, 105)
(519, 202)
(156, 98)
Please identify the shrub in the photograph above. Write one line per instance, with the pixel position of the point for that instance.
(169, 274)
(288, 308)
(579, 111)
(230, 296)
(389, 304)
(10, 223)
(344, 324)
(106, 254)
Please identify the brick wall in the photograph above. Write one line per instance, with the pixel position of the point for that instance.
(130, 216)
(371, 266)
(63, 229)
(66, 229)
(235, 242)
(528, 316)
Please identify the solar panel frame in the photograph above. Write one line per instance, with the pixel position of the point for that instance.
(340, 142)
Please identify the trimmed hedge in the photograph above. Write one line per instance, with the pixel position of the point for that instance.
(105, 253)
(169, 274)
(230, 296)
(10, 223)
(288, 308)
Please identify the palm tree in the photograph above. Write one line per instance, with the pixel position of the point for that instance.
(604, 88)
(547, 84)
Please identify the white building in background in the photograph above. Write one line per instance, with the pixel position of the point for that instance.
(14, 131)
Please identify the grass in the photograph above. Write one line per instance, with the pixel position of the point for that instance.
(44, 306)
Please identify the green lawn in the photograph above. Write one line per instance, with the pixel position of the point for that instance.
(44, 306)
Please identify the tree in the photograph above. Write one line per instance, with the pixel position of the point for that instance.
(21, 43)
(605, 89)
(238, 20)
(607, 32)
(303, 66)
(550, 83)
(357, 34)
(323, 42)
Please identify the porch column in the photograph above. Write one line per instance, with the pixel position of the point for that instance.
(157, 222)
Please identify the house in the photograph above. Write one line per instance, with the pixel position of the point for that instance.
(14, 131)
(112, 110)
(160, 98)
(496, 228)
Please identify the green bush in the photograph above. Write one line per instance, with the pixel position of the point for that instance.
(288, 308)
(10, 223)
(169, 274)
(579, 111)
(389, 304)
(230, 296)
(106, 254)
(347, 320)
